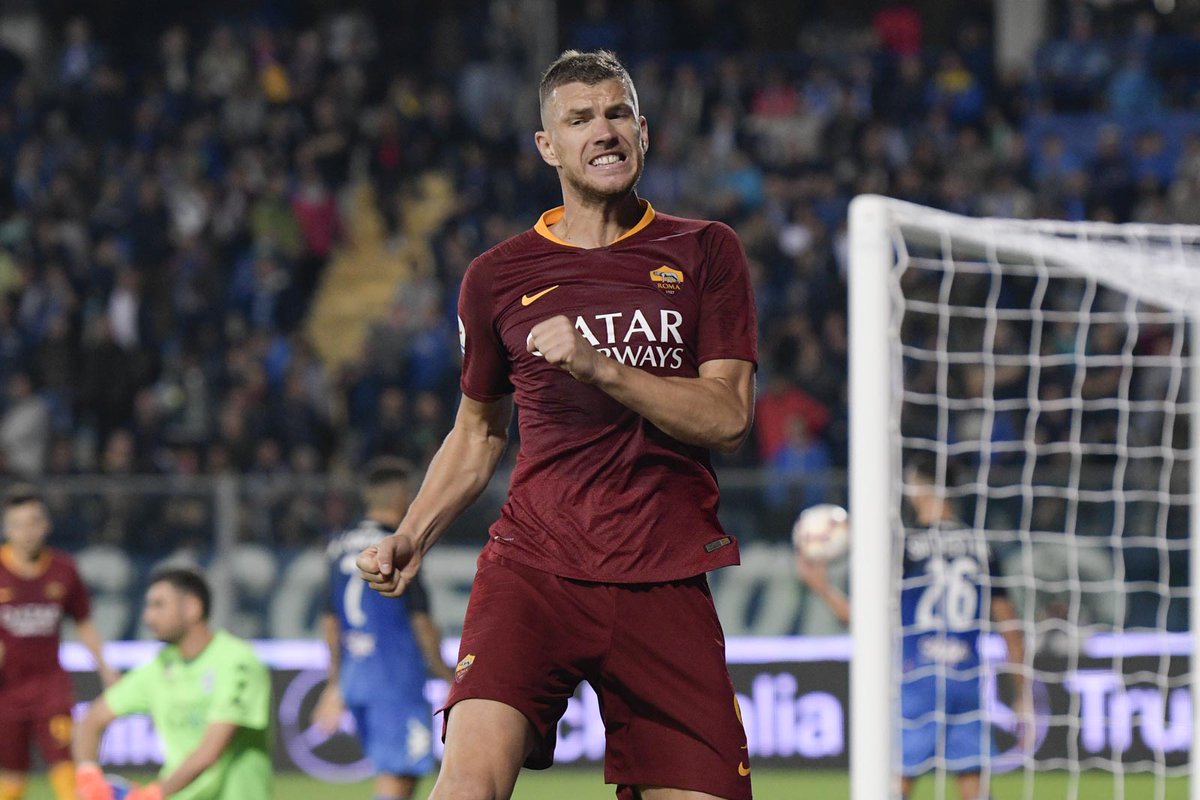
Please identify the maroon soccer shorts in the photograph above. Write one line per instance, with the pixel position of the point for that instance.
(36, 711)
(654, 653)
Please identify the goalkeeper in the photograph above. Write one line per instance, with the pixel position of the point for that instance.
(209, 697)
(947, 567)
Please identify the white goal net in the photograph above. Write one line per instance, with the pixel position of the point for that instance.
(1044, 373)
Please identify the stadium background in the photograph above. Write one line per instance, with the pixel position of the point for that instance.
(231, 236)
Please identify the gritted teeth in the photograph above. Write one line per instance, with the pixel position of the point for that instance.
(606, 159)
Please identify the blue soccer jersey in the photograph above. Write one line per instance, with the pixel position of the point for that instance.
(383, 672)
(381, 659)
(942, 602)
(949, 578)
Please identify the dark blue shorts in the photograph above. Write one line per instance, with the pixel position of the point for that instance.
(942, 712)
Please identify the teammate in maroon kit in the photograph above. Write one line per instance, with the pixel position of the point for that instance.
(38, 585)
(627, 339)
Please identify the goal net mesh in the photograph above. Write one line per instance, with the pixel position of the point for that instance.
(1043, 366)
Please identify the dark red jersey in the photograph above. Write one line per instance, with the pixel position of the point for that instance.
(598, 492)
(31, 614)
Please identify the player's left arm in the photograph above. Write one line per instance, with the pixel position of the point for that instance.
(85, 629)
(328, 712)
(1004, 615)
(217, 736)
(430, 642)
(713, 410)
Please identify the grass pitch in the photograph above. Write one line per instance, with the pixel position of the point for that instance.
(582, 784)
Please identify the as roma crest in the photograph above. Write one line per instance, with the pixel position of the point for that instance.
(668, 279)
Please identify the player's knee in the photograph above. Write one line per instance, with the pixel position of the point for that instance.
(465, 787)
(394, 787)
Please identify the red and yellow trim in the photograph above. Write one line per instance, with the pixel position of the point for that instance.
(555, 215)
(8, 557)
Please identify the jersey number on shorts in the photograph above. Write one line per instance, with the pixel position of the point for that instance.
(352, 599)
(953, 594)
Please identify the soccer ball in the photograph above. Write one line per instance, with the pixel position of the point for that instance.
(822, 532)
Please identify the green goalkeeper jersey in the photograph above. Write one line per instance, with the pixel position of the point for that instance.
(224, 683)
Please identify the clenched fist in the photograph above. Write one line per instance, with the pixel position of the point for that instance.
(388, 567)
(559, 343)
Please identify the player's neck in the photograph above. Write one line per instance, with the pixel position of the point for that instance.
(24, 563)
(597, 224)
(194, 641)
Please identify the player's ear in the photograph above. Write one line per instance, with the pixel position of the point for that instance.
(195, 609)
(645, 134)
(546, 148)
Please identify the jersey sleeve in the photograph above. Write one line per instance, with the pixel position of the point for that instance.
(728, 320)
(131, 694)
(485, 367)
(242, 693)
(77, 603)
(417, 596)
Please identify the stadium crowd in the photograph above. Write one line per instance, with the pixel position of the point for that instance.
(169, 212)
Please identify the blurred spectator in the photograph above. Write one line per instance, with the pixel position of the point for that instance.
(954, 89)
(24, 428)
(1132, 90)
(898, 26)
(798, 472)
(1076, 68)
(777, 408)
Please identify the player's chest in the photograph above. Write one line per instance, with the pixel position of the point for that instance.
(45, 589)
(31, 607)
(642, 299)
(184, 696)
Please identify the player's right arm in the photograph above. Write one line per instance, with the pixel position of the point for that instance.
(328, 712)
(85, 741)
(129, 695)
(90, 783)
(814, 574)
(458, 473)
(217, 736)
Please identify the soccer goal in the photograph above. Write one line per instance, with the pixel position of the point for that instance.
(1048, 369)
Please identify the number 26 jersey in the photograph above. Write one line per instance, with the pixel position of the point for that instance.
(950, 576)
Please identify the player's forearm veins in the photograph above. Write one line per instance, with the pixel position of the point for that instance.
(460, 470)
(714, 410)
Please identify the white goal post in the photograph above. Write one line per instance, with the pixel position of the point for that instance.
(997, 297)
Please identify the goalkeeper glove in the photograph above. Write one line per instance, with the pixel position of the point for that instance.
(90, 783)
(151, 791)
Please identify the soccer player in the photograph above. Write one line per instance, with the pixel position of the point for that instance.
(38, 586)
(627, 339)
(950, 580)
(381, 648)
(208, 695)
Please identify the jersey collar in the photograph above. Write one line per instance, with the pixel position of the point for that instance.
(555, 214)
(8, 557)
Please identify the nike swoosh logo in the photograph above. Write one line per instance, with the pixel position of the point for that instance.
(743, 770)
(526, 299)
